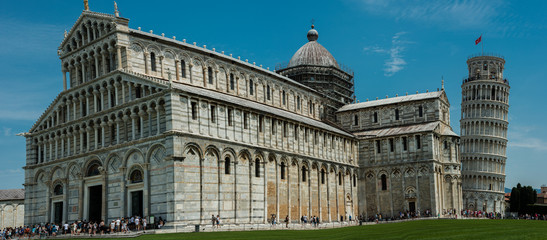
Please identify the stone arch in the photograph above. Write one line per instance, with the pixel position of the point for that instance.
(57, 173)
(156, 154)
(39, 175)
(113, 163)
(133, 155)
(73, 171)
(212, 150)
(229, 152)
(132, 169)
(193, 149)
(90, 163)
(245, 156)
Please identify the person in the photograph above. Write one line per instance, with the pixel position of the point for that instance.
(213, 220)
(218, 221)
(65, 228)
(287, 221)
(118, 222)
(137, 223)
(144, 225)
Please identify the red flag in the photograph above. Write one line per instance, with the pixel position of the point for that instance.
(478, 40)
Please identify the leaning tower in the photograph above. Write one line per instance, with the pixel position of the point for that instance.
(485, 104)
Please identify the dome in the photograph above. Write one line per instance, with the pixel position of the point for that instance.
(313, 53)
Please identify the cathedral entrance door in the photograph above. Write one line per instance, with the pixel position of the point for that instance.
(58, 212)
(412, 206)
(136, 204)
(95, 203)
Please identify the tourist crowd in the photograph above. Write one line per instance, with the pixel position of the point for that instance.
(91, 228)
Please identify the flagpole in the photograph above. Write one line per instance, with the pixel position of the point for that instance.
(482, 46)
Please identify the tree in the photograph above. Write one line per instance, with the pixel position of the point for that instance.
(521, 198)
(514, 203)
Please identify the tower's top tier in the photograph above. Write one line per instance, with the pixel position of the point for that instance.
(486, 68)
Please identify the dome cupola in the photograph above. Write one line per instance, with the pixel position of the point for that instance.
(313, 53)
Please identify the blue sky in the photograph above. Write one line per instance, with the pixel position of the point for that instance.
(393, 47)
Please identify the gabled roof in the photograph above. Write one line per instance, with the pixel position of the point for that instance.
(394, 100)
(410, 129)
(391, 131)
(93, 15)
(151, 80)
(12, 194)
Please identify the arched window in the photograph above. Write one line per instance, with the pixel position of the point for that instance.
(232, 81)
(303, 174)
(375, 120)
(384, 182)
(58, 190)
(420, 111)
(339, 178)
(136, 176)
(153, 61)
(227, 165)
(282, 170)
(183, 68)
(210, 74)
(298, 103)
(93, 170)
(268, 92)
(284, 97)
(251, 87)
(356, 120)
(354, 180)
(257, 167)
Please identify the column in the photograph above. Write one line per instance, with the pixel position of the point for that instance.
(48, 201)
(337, 201)
(96, 66)
(39, 152)
(149, 111)
(65, 200)
(177, 63)
(146, 71)
(95, 109)
(74, 107)
(63, 145)
(82, 62)
(64, 80)
(56, 139)
(161, 66)
(119, 56)
(67, 113)
(103, 59)
(141, 118)
(133, 117)
(158, 119)
(146, 189)
(118, 131)
(103, 125)
(124, 192)
(69, 135)
(116, 85)
(82, 140)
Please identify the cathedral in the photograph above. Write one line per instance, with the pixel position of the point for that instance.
(154, 126)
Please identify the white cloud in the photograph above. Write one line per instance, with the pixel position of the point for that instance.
(395, 61)
(523, 137)
(7, 132)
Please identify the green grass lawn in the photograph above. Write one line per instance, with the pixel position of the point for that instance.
(425, 229)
